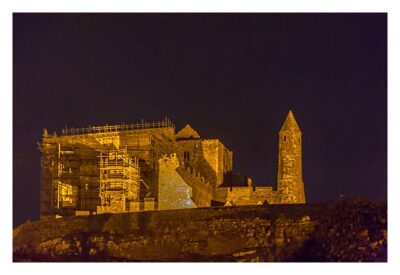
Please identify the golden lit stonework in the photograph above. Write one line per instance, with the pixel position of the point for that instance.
(290, 179)
(147, 166)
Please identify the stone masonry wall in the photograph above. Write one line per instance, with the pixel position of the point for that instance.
(339, 231)
(173, 191)
(202, 190)
(250, 195)
(207, 156)
(213, 156)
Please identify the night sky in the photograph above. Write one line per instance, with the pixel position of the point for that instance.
(230, 76)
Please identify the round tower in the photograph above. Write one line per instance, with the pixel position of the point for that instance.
(290, 178)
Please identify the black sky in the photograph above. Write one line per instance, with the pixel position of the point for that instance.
(231, 76)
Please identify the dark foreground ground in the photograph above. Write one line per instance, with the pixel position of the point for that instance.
(346, 230)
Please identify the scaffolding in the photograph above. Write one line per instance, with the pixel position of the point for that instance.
(66, 193)
(119, 180)
(166, 123)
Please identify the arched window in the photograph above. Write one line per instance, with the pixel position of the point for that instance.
(284, 138)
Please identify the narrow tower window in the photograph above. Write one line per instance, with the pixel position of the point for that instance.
(284, 138)
(186, 156)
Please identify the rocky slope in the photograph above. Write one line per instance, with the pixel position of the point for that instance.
(346, 230)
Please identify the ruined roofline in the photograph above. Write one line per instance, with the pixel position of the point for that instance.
(143, 125)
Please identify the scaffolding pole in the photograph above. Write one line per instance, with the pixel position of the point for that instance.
(119, 180)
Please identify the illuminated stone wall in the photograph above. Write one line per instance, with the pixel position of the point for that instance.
(290, 179)
(72, 162)
(202, 190)
(173, 191)
(213, 154)
(250, 196)
(209, 157)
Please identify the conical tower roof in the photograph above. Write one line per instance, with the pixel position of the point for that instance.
(290, 123)
(187, 132)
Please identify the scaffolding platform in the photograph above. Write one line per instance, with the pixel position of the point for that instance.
(119, 180)
(166, 123)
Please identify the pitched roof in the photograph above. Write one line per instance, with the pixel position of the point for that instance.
(187, 132)
(290, 123)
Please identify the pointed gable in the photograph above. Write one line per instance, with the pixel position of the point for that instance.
(187, 132)
(290, 123)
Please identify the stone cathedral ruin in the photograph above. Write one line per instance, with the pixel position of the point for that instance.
(147, 166)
